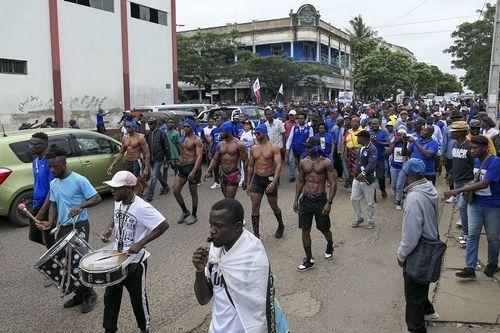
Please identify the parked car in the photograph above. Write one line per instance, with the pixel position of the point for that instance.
(89, 154)
(176, 115)
(253, 113)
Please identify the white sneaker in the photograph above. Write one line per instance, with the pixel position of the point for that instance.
(214, 186)
(463, 241)
(432, 316)
(451, 200)
(459, 223)
(398, 207)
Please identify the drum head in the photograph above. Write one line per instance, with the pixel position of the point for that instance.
(60, 244)
(91, 261)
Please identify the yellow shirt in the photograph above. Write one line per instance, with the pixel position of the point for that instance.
(491, 146)
(351, 140)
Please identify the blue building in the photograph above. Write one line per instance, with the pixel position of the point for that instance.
(304, 37)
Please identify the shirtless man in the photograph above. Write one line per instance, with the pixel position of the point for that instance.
(264, 170)
(314, 171)
(230, 151)
(189, 170)
(135, 145)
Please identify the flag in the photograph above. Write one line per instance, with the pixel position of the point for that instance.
(256, 90)
(280, 92)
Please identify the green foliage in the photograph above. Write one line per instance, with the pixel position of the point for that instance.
(362, 42)
(472, 50)
(428, 78)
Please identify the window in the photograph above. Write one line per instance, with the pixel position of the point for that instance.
(107, 5)
(8, 66)
(309, 52)
(277, 50)
(23, 150)
(148, 14)
(94, 146)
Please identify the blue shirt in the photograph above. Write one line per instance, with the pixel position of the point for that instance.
(215, 134)
(237, 130)
(382, 136)
(330, 123)
(397, 157)
(326, 141)
(69, 192)
(100, 119)
(428, 145)
(41, 181)
(489, 196)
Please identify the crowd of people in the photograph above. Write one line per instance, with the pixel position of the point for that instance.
(364, 145)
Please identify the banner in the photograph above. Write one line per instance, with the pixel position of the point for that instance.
(345, 97)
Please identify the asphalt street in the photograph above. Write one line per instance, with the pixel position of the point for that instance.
(360, 290)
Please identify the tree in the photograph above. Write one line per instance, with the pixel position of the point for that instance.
(203, 58)
(472, 50)
(362, 41)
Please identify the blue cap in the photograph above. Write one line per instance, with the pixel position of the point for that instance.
(261, 128)
(131, 124)
(226, 127)
(190, 123)
(414, 166)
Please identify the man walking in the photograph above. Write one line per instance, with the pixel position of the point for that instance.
(423, 148)
(172, 158)
(264, 170)
(363, 185)
(158, 149)
(484, 209)
(294, 145)
(380, 139)
(420, 218)
(275, 129)
(189, 172)
(314, 172)
(100, 120)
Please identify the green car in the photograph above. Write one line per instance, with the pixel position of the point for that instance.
(89, 154)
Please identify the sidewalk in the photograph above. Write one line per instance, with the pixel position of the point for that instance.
(464, 306)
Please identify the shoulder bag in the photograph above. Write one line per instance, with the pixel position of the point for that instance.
(469, 195)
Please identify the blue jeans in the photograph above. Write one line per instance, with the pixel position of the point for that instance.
(398, 180)
(490, 218)
(345, 169)
(462, 205)
(156, 168)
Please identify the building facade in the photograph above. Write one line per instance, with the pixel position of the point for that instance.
(302, 36)
(66, 58)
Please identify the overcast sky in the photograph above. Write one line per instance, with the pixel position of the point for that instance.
(427, 47)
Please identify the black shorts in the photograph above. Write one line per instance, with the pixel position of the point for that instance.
(184, 171)
(134, 167)
(41, 236)
(260, 183)
(310, 206)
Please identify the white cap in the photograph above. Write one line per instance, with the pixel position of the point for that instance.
(437, 113)
(122, 178)
(292, 112)
(402, 130)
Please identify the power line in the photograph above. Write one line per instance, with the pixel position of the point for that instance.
(418, 33)
(411, 10)
(427, 21)
(482, 9)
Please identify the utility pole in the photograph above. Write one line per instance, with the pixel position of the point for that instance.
(494, 79)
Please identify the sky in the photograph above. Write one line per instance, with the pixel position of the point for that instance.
(426, 40)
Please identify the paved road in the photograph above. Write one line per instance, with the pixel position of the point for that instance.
(360, 290)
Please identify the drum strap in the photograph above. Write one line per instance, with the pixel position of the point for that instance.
(121, 222)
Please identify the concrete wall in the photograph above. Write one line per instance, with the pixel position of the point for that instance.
(150, 52)
(91, 61)
(25, 35)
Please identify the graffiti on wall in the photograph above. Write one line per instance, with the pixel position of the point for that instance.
(33, 103)
(83, 103)
(86, 102)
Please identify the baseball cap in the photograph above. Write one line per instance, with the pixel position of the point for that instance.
(474, 123)
(458, 126)
(480, 140)
(122, 178)
(292, 113)
(311, 142)
(489, 121)
(261, 128)
(420, 120)
(437, 113)
(152, 120)
(226, 127)
(455, 115)
(414, 167)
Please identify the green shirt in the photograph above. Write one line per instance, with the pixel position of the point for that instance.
(173, 141)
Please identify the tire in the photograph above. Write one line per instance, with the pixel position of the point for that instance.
(15, 216)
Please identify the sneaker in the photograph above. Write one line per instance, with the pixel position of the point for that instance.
(370, 226)
(307, 264)
(291, 180)
(165, 191)
(432, 316)
(459, 223)
(149, 199)
(329, 251)
(191, 219)
(490, 270)
(384, 194)
(463, 241)
(183, 217)
(346, 185)
(398, 207)
(76, 300)
(89, 303)
(466, 274)
(215, 186)
(356, 223)
(462, 236)
(279, 231)
(451, 200)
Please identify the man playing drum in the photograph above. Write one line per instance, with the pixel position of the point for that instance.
(136, 223)
(70, 196)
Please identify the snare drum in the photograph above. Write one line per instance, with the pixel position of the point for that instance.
(54, 263)
(107, 272)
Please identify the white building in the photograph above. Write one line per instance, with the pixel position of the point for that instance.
(66, 58)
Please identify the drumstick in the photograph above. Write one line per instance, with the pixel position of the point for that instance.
(22, 207)
(112, 255)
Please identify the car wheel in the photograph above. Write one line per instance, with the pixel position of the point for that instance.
(15, 215)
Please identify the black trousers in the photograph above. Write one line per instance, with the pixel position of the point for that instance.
(41, 236)
(417, 305)
(135, 282)
(83, 229)
(101, 129)
(380, 172)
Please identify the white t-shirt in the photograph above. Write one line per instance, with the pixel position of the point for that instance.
(275, 132)
(133, 223)
(207, 131)
(225, 318)
(247, 139)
